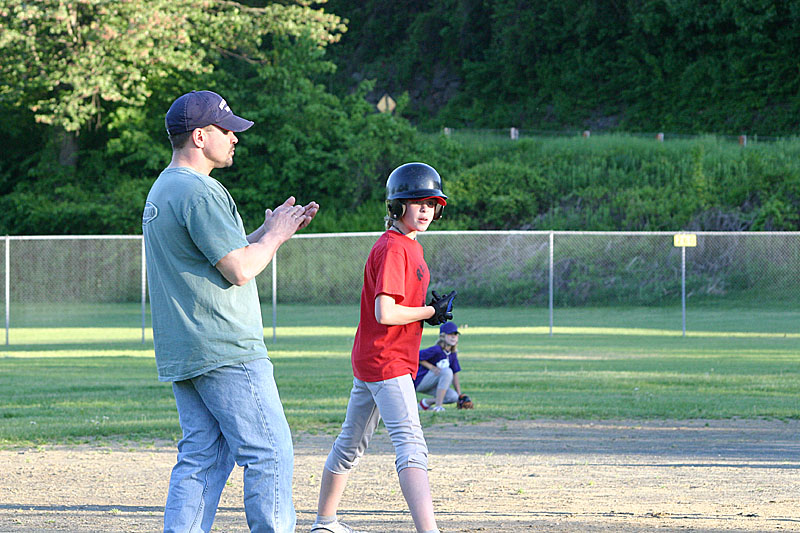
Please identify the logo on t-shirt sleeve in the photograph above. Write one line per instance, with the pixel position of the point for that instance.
(150, 212)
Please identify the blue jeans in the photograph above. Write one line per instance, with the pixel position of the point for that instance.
(232, 413)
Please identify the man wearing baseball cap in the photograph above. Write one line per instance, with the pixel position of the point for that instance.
(207, 328)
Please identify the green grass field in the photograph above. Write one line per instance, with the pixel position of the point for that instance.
(76, 383)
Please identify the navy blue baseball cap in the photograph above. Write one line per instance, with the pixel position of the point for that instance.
(448, 327)
(199, 109)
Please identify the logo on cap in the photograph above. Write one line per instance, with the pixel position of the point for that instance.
(199, 109)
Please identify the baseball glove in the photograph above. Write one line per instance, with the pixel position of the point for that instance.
(443, 307)
(464, 402)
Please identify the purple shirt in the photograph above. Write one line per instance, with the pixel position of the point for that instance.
(433, 355)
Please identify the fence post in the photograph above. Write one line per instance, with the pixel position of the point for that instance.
(683, 240)
(274, 297)
(8, 283)
(683, 288)
(144, 289)
(550, 297)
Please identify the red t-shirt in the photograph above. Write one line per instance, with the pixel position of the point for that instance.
(396, 267)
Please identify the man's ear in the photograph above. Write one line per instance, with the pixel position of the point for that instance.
(199, 137)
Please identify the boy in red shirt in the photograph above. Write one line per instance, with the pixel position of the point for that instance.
(385, 353)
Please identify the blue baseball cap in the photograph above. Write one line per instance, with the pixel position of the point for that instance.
(448, 328)
(199, 109)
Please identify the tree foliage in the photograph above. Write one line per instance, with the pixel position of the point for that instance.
(97, 76)
(71, 62)
(721, 66)
(306, 141)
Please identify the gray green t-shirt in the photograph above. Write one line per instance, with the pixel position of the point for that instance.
(200, 320)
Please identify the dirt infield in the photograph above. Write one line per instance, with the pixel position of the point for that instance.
(504, 476)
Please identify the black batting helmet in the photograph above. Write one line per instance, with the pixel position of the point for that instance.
(413, 181)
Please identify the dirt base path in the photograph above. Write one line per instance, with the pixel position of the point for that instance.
(504, 476)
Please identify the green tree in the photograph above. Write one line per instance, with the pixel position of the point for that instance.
(103, 72)
(306, 141)
(723, 66)
(72, 62)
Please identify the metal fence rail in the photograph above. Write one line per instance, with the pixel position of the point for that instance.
(73, 281)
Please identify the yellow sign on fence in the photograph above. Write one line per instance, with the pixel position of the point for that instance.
(685, 239)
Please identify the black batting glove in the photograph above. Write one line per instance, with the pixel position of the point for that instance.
(443, 307)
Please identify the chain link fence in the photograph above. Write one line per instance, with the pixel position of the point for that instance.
(73, 281)
(99, 281)
(562, 270)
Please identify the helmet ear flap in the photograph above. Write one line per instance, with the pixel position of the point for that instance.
(396, 208)
(437, 211)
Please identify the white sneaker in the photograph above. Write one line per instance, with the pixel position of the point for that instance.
(334, 527)
(437, 408)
